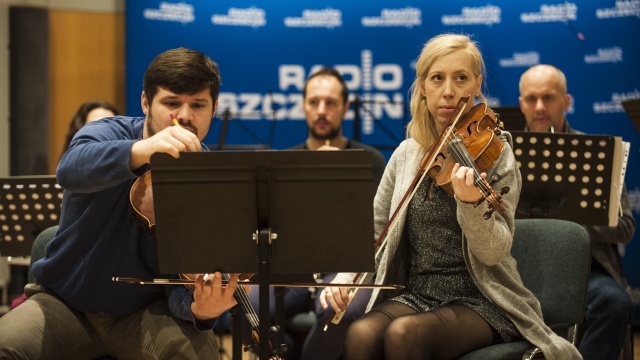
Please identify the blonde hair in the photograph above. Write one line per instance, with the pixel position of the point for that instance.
(422, 126)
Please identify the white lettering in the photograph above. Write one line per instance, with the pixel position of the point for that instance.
(395, 80)
(275, 102)
(250, 110)
(296, 112)
(254, 106)
(351, 74)
(227, 101)
(384, 105)
(291, 75)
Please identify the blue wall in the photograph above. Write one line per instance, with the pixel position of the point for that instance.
(265, 49)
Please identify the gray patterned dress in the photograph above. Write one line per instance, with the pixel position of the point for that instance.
(437, 273)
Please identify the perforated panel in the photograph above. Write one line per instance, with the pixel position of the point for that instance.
(28, 205)
(565, 176)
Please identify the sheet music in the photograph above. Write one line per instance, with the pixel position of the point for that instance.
(625, 158)
(620, 156)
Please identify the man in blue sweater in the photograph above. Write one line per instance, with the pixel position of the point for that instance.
(76, 311)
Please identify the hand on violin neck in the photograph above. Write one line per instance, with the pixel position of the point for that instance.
(463, 181)
(210, 297)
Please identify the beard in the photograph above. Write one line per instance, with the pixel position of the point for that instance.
(151, 125)
(332, 134)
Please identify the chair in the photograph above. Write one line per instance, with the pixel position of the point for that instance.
(38, 252)
(628, 348)
(38, 247)
(5, 279)
(554, 258)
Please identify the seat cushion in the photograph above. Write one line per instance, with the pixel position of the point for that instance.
(302, 322)
(504, 351)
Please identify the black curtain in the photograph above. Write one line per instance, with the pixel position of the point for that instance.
(29, 101)
(29, 90)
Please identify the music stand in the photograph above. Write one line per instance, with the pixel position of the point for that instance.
(28, 205)
(511, 117)
(569, 176)
(632, 108)
(280, 212)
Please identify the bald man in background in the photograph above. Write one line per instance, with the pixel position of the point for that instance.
(544, 101)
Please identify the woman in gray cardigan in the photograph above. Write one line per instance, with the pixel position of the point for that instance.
(462, 289)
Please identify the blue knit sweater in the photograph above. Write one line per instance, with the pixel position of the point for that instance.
(98, 237)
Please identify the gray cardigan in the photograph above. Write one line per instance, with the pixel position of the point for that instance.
(486, 246)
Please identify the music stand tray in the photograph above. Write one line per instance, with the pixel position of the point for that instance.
(571, 177)
(28, 205)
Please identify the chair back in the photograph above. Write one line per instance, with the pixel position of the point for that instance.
(39, 245)
(554, 259)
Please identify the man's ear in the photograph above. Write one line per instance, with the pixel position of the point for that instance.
(567, 102)
(144, 103)
(215, 109)
(346, 108)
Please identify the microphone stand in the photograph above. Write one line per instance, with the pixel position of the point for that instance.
(359, 103)
(227, 115)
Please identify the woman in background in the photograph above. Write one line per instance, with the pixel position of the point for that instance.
(86, 113)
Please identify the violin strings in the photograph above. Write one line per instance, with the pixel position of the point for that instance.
(243, 300)
(449, 135)
(461, 154)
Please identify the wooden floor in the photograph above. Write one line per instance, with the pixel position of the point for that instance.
(226, 352)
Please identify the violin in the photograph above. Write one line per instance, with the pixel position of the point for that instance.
(141, 199)
(252, 317)
(470, 140)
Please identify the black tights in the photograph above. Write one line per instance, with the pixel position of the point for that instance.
(393, 330)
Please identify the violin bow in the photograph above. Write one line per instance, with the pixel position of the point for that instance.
(155, 281)
(359, 280)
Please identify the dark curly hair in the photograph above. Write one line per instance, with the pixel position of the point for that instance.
(80, 118)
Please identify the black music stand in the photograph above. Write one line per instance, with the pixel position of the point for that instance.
(569, 176)
(632, 108)
(511, 117)
(265, 212)
(28, 205)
